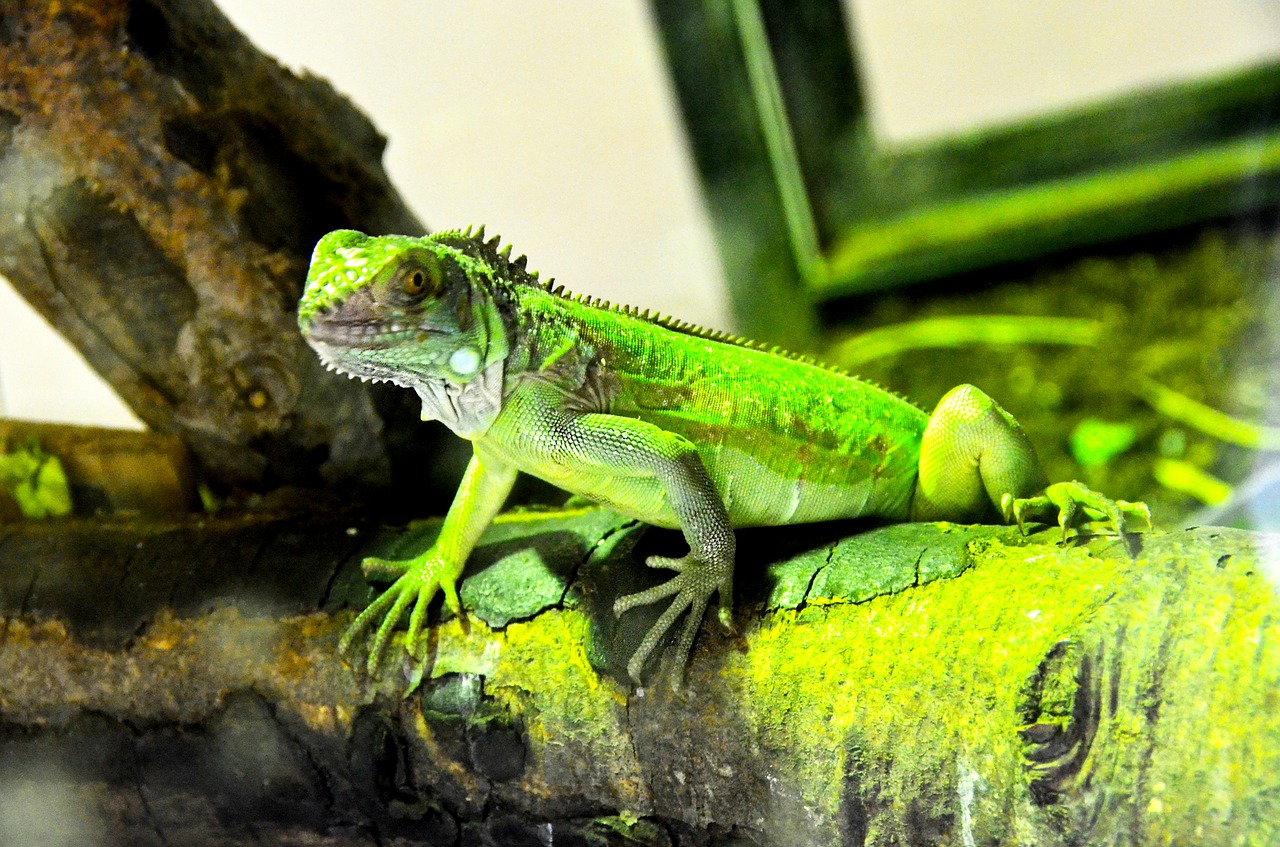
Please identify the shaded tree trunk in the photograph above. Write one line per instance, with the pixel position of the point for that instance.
(162, 184)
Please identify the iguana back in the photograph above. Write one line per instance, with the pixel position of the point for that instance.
(784, 439)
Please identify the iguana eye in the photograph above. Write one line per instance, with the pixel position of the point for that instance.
(421, 275)
(415, 283)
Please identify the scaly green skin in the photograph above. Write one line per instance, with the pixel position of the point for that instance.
(670, 424)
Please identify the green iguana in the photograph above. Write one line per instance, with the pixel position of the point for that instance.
(676, 426)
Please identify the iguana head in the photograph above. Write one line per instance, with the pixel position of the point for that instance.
(409, 310)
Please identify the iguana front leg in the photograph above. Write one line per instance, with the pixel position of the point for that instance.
(483, 490)
(629, 447)
(708, 568)
(654, 475)
(975, 460)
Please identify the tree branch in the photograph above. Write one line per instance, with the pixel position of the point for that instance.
(903, 685)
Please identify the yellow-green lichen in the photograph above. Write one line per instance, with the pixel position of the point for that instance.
(937, 704)
(573, 718)
(1169, 665)
(884, 673)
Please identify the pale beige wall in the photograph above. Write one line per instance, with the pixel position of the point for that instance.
(937, 66)
(552, 123)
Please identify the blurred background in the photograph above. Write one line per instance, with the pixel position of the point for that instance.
(860, 164)
(556, 125)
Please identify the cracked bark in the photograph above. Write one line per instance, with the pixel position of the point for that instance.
(161, 186)
(1018, 690)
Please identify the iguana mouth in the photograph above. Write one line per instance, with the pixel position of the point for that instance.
(339, 359)
(364, 334)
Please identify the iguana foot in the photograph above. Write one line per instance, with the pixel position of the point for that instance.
(415, 582)
(1076, 504)
(692, 586)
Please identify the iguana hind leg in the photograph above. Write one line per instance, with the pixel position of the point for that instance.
(976, 462)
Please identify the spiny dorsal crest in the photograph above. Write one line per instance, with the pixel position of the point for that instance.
(497, 256)
(472, 243)
(688, 328)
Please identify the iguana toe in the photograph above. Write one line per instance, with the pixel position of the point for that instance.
(1075, 505)
(692, 587)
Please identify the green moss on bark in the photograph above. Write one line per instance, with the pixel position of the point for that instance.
(1033, 694)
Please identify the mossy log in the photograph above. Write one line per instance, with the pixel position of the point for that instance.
(162, 184)
(917, 684)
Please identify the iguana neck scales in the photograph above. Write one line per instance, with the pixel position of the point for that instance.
(674, 425)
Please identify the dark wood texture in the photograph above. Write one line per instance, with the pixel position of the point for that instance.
(161, 186)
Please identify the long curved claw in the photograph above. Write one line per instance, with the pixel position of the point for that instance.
(652, 638)
(388, 625)
(1075, 504)
(415, 584)
(1067, 512)
(652, 595)
(417, 618)
(697, 609)
(365, 618)
(1009, 513)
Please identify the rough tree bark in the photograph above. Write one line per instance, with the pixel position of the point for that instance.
(916, 684)
(161, 186)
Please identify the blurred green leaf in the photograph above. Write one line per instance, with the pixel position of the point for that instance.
(1095, 442)
(36, 481)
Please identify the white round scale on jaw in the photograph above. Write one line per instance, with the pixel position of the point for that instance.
(465, 361)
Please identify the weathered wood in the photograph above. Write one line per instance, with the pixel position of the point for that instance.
(111, 470)
(903, 685)
(161, 186)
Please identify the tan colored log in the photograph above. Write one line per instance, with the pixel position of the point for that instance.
(111, 470)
